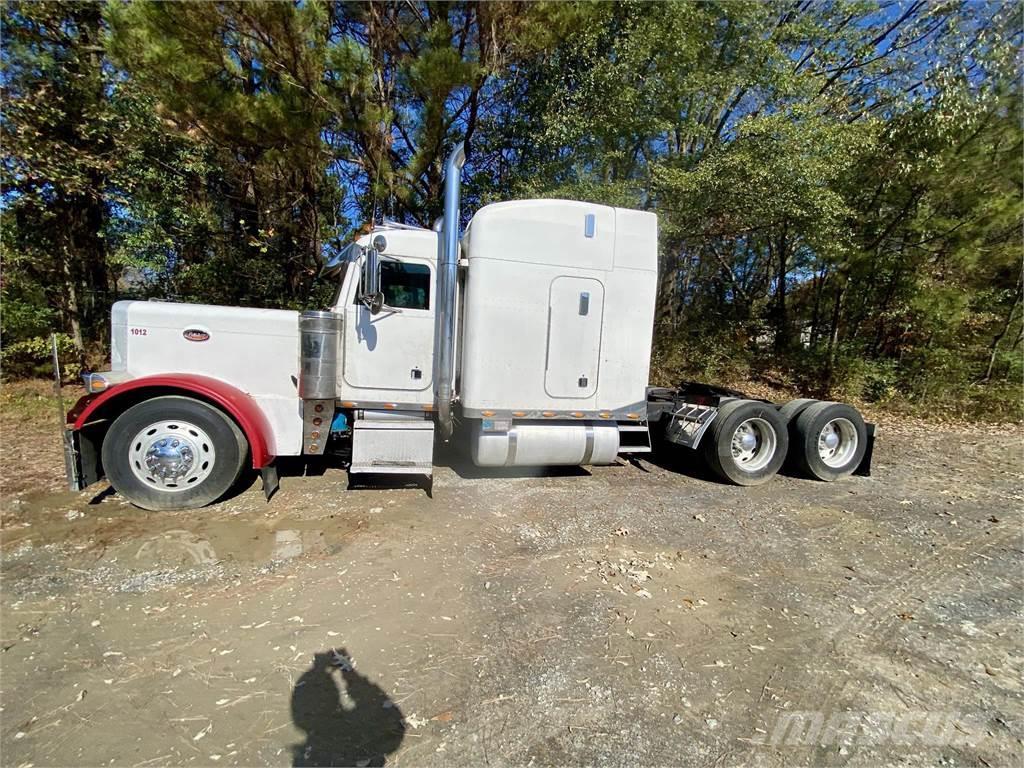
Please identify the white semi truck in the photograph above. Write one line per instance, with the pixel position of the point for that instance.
(526, 340)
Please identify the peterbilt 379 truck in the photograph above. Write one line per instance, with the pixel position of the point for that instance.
(526, 340)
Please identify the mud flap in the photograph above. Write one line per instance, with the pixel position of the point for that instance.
(81, 460)
(271, 482)
(864, 468)
(72, 461)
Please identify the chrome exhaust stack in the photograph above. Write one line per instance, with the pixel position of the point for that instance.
(447, 278)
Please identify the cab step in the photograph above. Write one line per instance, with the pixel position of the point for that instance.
(634, 438)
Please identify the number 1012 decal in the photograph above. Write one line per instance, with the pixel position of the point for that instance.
(139, 332)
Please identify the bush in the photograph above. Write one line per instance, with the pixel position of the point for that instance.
(34, 357)
(718, 358)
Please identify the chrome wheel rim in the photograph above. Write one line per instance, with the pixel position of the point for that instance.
(172, 456)
(837, 443)
(753, 445)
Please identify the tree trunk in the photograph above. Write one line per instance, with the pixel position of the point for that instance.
(71, 304)
(833, 338)
(819, 289)
(782, 335)
(994, 347)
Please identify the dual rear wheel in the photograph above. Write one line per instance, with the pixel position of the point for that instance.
(749, 440)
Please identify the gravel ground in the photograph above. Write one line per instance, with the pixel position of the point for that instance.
(631, 614)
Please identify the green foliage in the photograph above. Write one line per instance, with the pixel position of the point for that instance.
(57, 131)
(838, 184)
(34, 357)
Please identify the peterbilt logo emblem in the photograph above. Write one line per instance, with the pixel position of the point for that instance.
(195, 334)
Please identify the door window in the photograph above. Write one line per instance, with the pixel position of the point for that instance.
(405, 285)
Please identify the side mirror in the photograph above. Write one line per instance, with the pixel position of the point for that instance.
(369, 288)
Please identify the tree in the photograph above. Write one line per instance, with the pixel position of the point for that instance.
(248, 80)
(837, 184)
(57, 130)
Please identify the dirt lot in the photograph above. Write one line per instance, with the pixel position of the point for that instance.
(625, 615)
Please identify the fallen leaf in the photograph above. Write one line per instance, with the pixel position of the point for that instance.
(414, 721)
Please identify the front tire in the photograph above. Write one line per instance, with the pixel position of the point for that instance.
(747, 442)
(173, 453)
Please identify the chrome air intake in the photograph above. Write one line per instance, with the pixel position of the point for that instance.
(319, 341)
(447, 277)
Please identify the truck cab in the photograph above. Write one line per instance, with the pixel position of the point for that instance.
(531, 331)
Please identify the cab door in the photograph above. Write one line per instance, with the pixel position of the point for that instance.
(389, 356)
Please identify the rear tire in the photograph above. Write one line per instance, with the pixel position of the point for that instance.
(173, 453)
(794, 408)
(830, 441)
(746, 443)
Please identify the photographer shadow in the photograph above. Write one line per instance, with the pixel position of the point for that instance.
(362, 731)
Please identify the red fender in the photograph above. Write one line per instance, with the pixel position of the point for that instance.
(234, 401)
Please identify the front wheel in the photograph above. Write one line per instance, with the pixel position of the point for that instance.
(173, 453)
(747, 442)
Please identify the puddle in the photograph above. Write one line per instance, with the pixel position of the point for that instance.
(287, 544)
(49, 540)
(174, 548)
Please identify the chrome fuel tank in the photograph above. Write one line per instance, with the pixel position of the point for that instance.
(530, 445)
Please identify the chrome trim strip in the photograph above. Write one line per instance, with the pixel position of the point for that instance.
(616, 414)
(379, 405)
(588, 453)
(513, 443)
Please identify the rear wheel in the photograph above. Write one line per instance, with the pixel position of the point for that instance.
(747, 442)
(173, 453)
(794, 408)
(830, 441)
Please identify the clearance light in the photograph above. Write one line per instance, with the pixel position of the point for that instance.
(314, 447)
(318, 407)
(315, 434)
(95, 383)
(347, 404)
(519, 413)
(428, 407)
(548, 414)
(390, 406)
(487, 413)
(578, 414)
(633, 415)
(100, 382)
(317, 421)
(606, 414)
